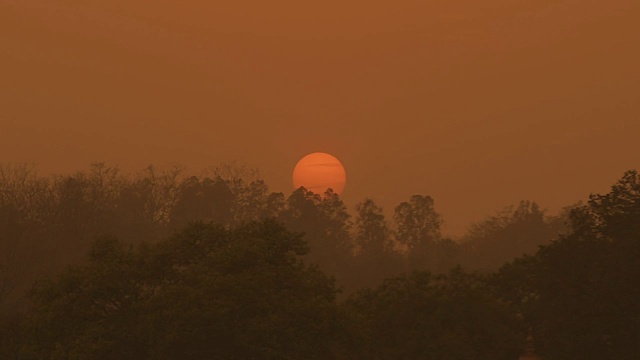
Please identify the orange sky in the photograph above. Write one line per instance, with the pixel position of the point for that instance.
(477, 103)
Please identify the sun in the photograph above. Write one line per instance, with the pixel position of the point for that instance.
(318, 172)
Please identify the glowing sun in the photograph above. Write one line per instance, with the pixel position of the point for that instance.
(318, 172)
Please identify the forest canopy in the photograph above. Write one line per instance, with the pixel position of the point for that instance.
(166, 265)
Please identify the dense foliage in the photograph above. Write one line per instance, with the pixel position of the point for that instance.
(421, 316)
(582, 292)
(205, 293)
(243, 275)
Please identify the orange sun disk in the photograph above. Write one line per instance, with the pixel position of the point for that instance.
(318, 172)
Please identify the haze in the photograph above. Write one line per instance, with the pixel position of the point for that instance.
(477, 104)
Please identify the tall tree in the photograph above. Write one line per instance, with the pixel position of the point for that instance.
(417, 226)
(372, 232)
(376, 257)
(325, 222)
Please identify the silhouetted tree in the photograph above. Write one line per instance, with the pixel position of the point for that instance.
(376, 257)
(165, 190)
(417, 228)
(274, 206)
(325, 222)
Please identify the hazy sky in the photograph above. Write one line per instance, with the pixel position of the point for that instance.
(479, 104)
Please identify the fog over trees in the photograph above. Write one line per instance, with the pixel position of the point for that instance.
(168, 265)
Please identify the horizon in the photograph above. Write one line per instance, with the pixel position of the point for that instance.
(251, 173)
(478, 105)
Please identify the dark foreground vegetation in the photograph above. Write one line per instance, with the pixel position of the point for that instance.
(96, 265)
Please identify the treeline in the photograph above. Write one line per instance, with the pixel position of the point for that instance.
(48, 223)
(247, 291)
